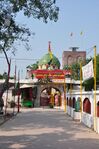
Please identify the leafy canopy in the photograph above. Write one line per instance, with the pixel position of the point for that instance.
(88, 84)
(10, 30)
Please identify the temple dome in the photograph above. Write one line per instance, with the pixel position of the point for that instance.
(46, 60)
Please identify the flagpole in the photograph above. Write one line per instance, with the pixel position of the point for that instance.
(95, 88)
(18, 91)
(81, 85)
(82, 39)
(14, 85)
(71, 85)
(64, 95)
(71, 38)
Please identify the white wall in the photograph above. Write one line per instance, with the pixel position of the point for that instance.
(87, 119)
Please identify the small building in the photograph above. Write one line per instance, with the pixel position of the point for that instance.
(48, 91)
(70, 57)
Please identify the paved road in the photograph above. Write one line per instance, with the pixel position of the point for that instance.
(46, 129)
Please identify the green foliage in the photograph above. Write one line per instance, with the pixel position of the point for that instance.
(33, 66)
(36, 8)
(10, 31)
(32, 8)
(66, 67)
(89, 84)
(1, 76)
(76, 71)
(88, 60)
(44, 80)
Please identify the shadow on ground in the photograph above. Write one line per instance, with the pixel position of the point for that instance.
(46, 130)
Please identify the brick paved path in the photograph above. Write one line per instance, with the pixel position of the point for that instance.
(46, 129)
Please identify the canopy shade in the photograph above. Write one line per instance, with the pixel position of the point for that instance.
(27, 86)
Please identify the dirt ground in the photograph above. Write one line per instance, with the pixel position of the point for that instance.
(42, 128)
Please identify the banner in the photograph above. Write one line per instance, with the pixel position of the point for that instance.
(53, 74)
(87, 71)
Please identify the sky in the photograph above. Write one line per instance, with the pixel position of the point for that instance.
(75, 16)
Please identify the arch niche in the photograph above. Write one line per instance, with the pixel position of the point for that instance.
(69, 60)
(87, 106)
(50, 95)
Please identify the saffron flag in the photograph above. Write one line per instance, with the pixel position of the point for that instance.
(87, 71)
(49, 50)
(81, 33)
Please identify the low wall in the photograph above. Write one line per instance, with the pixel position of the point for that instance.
(86, 117)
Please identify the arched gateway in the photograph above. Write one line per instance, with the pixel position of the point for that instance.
(50, 80)
(49, 91)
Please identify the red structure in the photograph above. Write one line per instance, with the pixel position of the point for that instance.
(73, 56)
(87, 106)
(52, 74)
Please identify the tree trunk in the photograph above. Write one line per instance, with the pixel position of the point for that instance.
(5, 85)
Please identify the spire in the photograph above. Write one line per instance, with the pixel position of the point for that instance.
(49, 46)
(49, 49)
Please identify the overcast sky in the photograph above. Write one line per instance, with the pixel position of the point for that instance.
(75, 16)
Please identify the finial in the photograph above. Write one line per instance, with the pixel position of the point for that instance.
(49, 46)
(49, 50)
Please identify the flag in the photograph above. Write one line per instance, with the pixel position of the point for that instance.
(87, 71)
(81, 33)
(49, 50)
(71, 34)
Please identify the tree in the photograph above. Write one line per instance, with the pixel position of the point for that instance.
(75, 71)
(89, 84)
(1, 77)
(10, 31)
(33, 66)
(45, 9)
(75, 68)
(66, 67)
